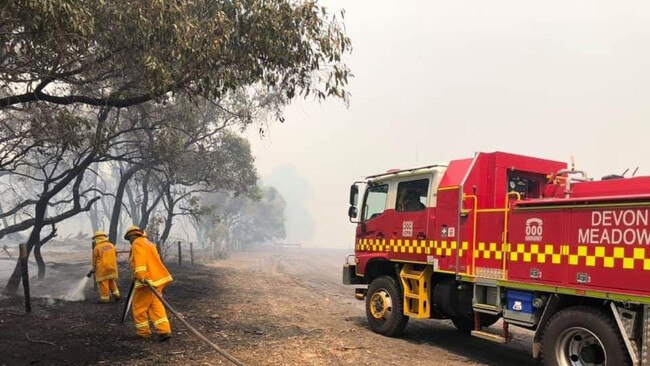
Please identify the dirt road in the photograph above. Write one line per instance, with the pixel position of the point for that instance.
(274, 307)
(303, 291)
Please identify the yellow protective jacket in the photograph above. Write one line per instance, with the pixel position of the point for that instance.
(104, 261)
(146, 264)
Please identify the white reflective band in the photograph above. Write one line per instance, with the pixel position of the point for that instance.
(142, 325)
(161, 320)
(162, 281)
(140, 269)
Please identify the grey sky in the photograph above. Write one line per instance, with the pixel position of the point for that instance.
(439, 80)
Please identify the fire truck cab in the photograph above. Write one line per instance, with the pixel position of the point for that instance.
(511, 237)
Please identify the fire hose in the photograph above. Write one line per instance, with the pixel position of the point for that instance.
(194, 331)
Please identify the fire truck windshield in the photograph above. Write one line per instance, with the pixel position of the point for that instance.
(375, 201)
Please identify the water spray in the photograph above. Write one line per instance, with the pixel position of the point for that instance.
(77, 292)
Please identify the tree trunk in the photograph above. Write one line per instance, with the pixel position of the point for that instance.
(170, 217)
(37, 252)
(135, 213)
(168, 227)
(144, 221)
(39, 261)
(117, 206)
(105, 211)
(94, 219)
(4, 219)
(40, 212)
(94, 216)
(200, 236)
(144, 216)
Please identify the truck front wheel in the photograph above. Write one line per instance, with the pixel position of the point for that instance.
(582, 336)
(384, 307)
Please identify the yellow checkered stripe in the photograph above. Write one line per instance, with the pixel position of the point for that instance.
(448, 248)
(490, 250)
(437, 247)
(547, 253)
(617, 257)
(582, 255)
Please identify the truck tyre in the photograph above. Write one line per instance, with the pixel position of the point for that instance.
(465, 325)
(385, 308)
(582, 335)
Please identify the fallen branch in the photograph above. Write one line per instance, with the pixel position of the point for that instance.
(10, 313)
(349, 348)
(78, 325)
(37, 341)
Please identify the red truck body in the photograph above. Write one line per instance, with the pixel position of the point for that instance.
(514, 237)
(593, 240)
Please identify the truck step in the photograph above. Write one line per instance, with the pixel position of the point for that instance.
(492, 337)
(360, 293)
(485, 308)
(416, 282)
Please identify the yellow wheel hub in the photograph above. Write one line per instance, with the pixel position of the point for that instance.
(381, 304)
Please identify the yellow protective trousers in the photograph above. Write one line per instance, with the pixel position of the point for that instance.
(106, 288)
(147, 307)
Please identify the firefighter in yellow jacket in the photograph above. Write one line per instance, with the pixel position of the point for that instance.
(105, 267)
(148, 270)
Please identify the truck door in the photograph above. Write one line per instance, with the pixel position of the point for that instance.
(372, 229)
(410, 219)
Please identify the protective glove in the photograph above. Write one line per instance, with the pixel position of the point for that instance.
(147, 282)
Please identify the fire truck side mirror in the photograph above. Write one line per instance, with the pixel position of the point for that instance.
(352, 212)
(354, 195)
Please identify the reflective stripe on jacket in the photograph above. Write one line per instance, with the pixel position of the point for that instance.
(146, 263)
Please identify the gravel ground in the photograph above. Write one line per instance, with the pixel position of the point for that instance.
(268, 307)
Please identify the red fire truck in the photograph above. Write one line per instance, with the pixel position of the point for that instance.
(504, 236)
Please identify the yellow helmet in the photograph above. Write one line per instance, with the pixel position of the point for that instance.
(133, 230)
(99, 233)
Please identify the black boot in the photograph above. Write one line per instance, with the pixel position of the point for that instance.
(162, 337)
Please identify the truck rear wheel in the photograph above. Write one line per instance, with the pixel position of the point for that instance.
(583, 336)
(384, 307)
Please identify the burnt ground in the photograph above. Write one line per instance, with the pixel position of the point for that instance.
(274, 307)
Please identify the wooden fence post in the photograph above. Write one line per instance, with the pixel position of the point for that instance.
(180, 254)
(191, 253)
(25, 276)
